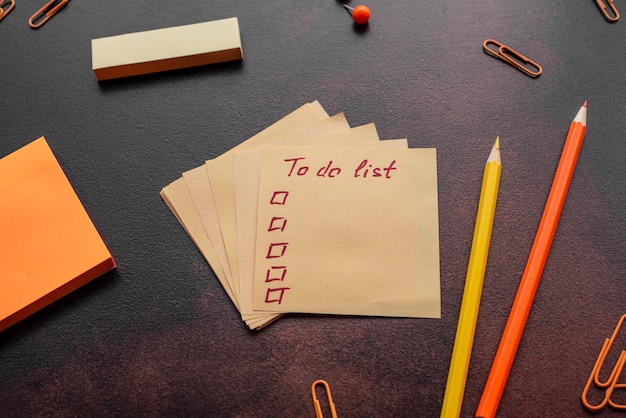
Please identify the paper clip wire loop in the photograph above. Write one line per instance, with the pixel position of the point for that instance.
(614, 385)
(612, 380)
(46, 12)
(611, 384)
(603, 8)
(512, 57)
(604, 353)
(318, 408)
(5, 10)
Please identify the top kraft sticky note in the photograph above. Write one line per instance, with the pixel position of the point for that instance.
(48, 244)
(166, 49)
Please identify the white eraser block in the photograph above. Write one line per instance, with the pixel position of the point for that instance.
(166, 49)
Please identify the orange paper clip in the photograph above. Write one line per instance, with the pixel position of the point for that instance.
(46, 12)
(318, 408)
(614, 385)
(5, 10)
(612, 382)
(614, 17)
(608, 343)
(513, 58)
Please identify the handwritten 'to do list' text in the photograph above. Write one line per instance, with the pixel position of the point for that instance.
(365, 169)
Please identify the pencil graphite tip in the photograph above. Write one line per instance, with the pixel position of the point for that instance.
(581, 116)
(494, 155)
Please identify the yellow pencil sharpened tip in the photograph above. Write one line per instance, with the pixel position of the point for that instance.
(496, 145)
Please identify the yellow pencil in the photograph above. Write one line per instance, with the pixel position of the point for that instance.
(459, 364)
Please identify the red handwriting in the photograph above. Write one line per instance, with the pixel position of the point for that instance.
(328, 170)
(275, 273)
(279, 198)
(301, 170)
(277, 250)
(365, 169)
(277, 295)
(277, 223)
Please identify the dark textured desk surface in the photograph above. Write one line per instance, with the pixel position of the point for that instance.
(159, 337)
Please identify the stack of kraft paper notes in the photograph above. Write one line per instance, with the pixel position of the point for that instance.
(48, 244)
(313, 216)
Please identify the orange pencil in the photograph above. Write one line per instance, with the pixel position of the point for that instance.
(534, 267)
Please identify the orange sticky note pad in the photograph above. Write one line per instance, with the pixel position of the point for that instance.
(48, 244)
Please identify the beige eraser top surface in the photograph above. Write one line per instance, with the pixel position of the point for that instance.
(166, 49)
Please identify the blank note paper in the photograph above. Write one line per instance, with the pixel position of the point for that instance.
(314, 216)
(49, 246)
(166, 49)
